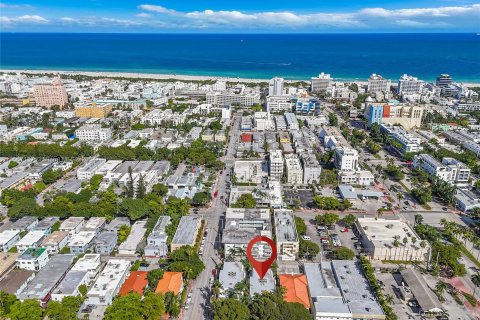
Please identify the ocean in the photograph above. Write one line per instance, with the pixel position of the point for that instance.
(292, 56)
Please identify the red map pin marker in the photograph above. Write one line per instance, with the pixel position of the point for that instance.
(261, 267)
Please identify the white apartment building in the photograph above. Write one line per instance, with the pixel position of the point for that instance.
(292, 121)
(262, 121)
(294, 170)
(276, 164)
(286, 235)
(346, 159)
(321, 83)
(72, 225)
(80, 242)
(55, 242)
(33, 259)
(8, 239)
(108, 283)
(229, 98)
(88, 170)
(408, 85)
(31, 240)
(311, 168)
(93, 133)
(449, 170)
(90, 263)
(279, 103)
(275, 86)
(376, 83)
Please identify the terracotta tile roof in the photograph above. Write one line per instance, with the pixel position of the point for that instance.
(136, 282)
(296, 288)
(171, 281)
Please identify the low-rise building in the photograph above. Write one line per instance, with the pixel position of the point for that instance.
(293, 169)
(15, 281)
(157, 240)
(296, 288)
(286, 236)
(106, 242)
(389, 239)
(311, 168)
(231, 274)
(41, 287)
(46, 224)
(449, 170)
(70, 285)
(108, 283)
(55, 241)
(33, 239)
(250, 171)
(186, 233)
(80, 242)
(90, 263)
(95, 224)
(33, 259)
(130, 245)
(136, 282)
(360, 177)
(8, 239)
(170, 282)
(117, 223)
(258, 286)
(93, 133)
(72, 225)
(9, 260)
(24, 224)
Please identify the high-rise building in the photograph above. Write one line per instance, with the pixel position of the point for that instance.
(275, 87)
(49, 95)
(376, 83)
(408, 85)
(321, 83)
(444, 80)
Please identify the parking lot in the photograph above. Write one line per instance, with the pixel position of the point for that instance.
(391, 286)
(304, 195)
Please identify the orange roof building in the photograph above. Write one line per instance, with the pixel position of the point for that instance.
(171, 281)
(296, 286)
(136, 282)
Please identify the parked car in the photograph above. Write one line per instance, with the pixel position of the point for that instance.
(306, 237)
(344, 230)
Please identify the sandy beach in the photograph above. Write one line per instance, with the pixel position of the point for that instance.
(111, 74)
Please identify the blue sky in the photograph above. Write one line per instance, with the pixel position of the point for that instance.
(240, 16)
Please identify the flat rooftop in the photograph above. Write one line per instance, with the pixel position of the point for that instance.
(32, 253)
(382, 231)
(7, 260)
(23, 223)
(48, 277)
(71, 223)
(70, 283)
(110, 277)
(135, 237)
(81, 239)
(55, 238)
(116, 223)
(187, 230)
(14, 280)
(258, 285)
(231, 274)
(46, 223)
(31, 238)
(7, 235)
(285, 229)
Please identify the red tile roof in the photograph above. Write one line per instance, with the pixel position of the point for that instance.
(136, 282)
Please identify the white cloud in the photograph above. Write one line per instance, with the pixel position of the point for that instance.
(286, 19)
(28, 19)
(143, 15)
(68, 19)
(421, 12)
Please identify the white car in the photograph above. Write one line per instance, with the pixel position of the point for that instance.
(306, 238)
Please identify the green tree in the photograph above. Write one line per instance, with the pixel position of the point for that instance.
(186, 259)
(24, 207)
(301, 226)
(422, 195)
(12, 164)
(343, 253)
(153, 277)
(95, 181)
(201, 198)
(349, 220)
(328, 177)
(135, 209)
(160, 189)
(327, 219)
(308, 249)
(228, 309)
(245, 201)
(6, 302)
(333, 120)
(50, 176)
(27, 310)
(141, 189)
(294, 310)
(215, 126)
(123, 233)
(130, 192)
(125, 307)
(476, 281)
(153, 306)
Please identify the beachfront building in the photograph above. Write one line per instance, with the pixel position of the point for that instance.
(50, 94)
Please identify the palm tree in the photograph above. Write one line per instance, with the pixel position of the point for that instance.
(216, 287)
(440, 288)
(419, 219)
(423, 244)
(388, 299)
(476, 281)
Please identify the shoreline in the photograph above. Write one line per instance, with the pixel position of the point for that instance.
(181, 77)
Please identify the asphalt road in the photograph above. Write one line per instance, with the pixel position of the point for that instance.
(199, 307)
